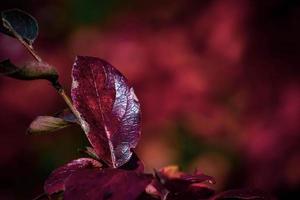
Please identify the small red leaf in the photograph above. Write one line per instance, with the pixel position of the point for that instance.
(56, 181)
(173, 184)
(112, 184)
(108, 108)
(175, 180)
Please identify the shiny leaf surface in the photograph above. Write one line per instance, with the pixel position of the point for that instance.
(109, 109)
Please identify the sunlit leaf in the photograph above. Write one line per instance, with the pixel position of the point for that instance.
(18, 23)
(108, 107)
(56, 181)
(46, 124)
(112, 184)
(30, 71)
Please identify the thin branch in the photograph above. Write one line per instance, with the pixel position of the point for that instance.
(66, 98)
(56, 85)
(30, 49)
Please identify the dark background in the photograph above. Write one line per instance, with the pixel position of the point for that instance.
(218, 82)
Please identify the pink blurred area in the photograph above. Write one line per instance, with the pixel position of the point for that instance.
(223, 75)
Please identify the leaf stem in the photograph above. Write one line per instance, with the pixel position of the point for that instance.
(66, 98)
(31, 50)
(55, 84)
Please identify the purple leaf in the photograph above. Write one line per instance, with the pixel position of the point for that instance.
(172, 184)
(242, 194)
(112, 184)
(108, 108)
(175, 180)
(56, 181)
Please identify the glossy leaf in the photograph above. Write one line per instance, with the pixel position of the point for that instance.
(46, 124)
(18, 23)
(30, 71)
(108, 107)
(56, 181)
(112, 184)
(241, 194)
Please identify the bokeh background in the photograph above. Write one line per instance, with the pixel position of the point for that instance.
(218, 82)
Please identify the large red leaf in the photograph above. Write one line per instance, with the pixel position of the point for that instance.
(112, 184)
(56, 181)
(108, 108)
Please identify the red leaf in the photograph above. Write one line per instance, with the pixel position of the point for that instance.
(172, 184)
(175, 180)
(108, 108)
(112, 184)
(56, 181)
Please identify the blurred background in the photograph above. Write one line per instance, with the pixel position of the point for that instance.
(218, 82)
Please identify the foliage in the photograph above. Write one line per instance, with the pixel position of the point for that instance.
(107, 109)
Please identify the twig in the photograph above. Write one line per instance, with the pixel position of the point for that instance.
(56, 85)
(66, 98)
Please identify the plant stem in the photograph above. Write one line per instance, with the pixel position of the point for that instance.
(31, 50)
(56, 84)
(60, 90)
(68, 101)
